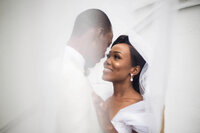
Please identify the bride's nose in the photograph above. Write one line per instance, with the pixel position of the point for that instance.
(107, 62)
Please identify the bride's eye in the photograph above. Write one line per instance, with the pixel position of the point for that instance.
(116, 57)
(108, 55)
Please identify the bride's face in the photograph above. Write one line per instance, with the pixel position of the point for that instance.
(117, 67)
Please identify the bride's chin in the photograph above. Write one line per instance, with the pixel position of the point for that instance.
(105, 78)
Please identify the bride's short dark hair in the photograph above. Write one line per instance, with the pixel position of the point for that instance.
(136, 59)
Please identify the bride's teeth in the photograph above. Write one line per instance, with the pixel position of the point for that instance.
(107, 70)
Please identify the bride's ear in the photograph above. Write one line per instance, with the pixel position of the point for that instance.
(135, 70)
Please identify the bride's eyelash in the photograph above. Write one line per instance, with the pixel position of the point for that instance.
(114, 56)
(117, 57)
(108, 55)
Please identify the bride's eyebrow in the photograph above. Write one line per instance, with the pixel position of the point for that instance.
(115, 52)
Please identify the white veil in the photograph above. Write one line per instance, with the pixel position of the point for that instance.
(146, 52)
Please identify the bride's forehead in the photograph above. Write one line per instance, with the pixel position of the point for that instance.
(121, 47)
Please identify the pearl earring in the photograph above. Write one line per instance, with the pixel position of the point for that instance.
(131, 77)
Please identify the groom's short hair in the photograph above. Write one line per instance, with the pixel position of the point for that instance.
(91, 18)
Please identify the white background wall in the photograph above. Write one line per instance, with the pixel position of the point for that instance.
(182, 97)
(32, 33)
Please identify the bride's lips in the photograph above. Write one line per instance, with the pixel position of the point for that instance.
(107, 70)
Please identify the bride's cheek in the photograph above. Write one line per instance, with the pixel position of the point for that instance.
(117, 65)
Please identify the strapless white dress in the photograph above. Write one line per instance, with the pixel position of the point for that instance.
(133, 117)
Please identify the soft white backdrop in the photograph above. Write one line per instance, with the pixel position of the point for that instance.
(32, 33)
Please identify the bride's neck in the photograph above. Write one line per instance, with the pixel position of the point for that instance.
(123, 88)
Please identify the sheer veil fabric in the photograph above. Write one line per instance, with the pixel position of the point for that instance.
(146, 52)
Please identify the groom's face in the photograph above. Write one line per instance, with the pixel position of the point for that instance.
(97, 51)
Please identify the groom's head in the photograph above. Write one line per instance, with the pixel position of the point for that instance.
(91, 35)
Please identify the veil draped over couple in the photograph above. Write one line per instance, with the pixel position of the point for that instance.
(79, 108)
(69, 104)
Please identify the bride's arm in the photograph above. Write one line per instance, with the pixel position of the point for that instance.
(102, 114)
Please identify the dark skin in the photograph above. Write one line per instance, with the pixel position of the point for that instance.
(117, 70)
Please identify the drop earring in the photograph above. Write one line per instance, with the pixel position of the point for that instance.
(131, 77)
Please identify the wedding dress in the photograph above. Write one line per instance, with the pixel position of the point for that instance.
(132, 117)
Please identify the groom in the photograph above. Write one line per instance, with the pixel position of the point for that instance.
(64, 103)
(91, 36)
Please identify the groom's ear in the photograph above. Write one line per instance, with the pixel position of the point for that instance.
(100, 32)
(96, 33)
(135, 70)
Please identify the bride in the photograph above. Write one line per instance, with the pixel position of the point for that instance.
(124, 111)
